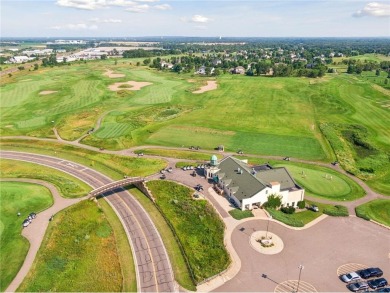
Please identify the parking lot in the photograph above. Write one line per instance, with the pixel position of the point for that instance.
(321, 249)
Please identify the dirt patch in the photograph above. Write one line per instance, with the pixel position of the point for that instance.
(111, 74)
(191, 80)
(26, 79)
(211, 85)
(135, 85)
(47, 92)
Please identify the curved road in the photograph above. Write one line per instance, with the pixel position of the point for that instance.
(154, 271)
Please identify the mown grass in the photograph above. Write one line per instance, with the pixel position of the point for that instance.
(68, 185)
(203, 246)
(266, 116)
(239, 215)
(301, 218)
(78, 253)
(317, 181)
(24, 198)
(180, 269)
(114, 166)
(178, 154)
(324, 182)
(377, 210)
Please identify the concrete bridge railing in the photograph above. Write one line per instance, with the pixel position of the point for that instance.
(114, 185)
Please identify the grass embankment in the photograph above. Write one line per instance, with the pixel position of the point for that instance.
(179, 266)
(114, 166)
(196, 224)
(24, 198)
(78, 253)
(239, 215)
(178, 154)
(377, 210)
(68, 185)
(317, 180)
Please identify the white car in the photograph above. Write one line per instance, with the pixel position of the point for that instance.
(26, 223)
(353, 276)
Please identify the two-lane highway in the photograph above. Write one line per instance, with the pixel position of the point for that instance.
(154, 271)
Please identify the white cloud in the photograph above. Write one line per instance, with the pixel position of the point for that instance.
(200, 19)
(96, 4)
(374, 9)
(163, 7)
(196, 19)
(82, 4)
(109, 20)
(138, 8)
(77, 26)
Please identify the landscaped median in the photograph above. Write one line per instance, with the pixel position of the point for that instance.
(198, 228)
(377, 210)
(114, 166)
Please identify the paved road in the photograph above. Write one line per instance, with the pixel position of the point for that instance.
(321, 249)
(154, 271)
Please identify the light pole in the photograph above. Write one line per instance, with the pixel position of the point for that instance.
(301, 267)
(266, 234)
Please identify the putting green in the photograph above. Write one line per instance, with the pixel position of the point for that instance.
(320, 183)
(24, 198)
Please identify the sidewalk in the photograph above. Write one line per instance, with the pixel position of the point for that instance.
(36, 230)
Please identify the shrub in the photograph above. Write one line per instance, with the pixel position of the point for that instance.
(288, 210)
(274, 201)
(336, 211)
(361, 213)
(301, 204)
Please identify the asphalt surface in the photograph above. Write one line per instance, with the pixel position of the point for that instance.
(322, 249)
(153, 268)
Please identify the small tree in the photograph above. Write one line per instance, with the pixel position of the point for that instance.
(274, 201)
(301, 204)
(36, 66)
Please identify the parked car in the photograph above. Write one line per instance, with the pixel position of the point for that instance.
(26, 223)
(163, 176)
(353, 276)
(370, 273)
(357, 286)
(314, 208)
(33, 215)
(377, 283)
(383, 290)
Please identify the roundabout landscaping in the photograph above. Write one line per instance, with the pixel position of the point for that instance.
(266, 242)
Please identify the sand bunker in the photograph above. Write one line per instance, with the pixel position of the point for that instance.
(111, 74)
(211, 85)
(47, 92)
(191, 80)
(135, 85)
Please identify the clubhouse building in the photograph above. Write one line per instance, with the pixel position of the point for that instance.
(248, 186)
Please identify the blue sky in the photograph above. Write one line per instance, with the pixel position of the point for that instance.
(256, 18)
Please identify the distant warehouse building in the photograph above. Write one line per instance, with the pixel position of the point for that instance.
(249, 186)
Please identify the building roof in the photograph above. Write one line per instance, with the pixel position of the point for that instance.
(279, 175)
(244, 184)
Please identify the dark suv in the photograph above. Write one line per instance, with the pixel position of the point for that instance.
(377, 283)
(370, 273)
